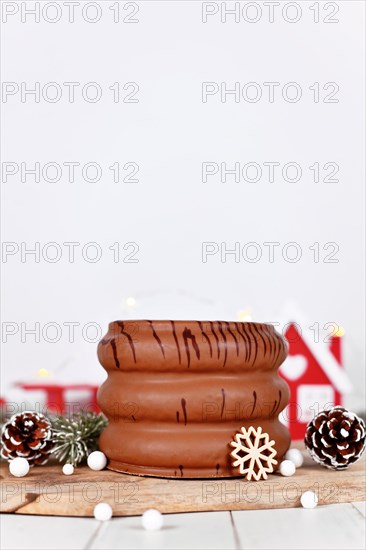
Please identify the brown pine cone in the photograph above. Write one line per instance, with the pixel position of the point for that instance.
(335, 438)
(27, 434)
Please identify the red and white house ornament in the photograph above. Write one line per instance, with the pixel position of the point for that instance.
(313, 370)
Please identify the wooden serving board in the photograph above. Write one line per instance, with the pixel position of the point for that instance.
(46, 491)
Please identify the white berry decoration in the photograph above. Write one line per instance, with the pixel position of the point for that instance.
(103, 511)
(19, 467)
(309, 499)
(295, 456)
(152, 520)
(68, 469)
(287, 468)
(97, 460)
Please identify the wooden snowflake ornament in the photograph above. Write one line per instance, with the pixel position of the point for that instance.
(253, 453)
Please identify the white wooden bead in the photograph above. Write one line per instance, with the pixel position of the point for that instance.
(68, 469)
(309, 500)
(103, 511)
(19, 467)
(152, 520)
(97, 460)
(295, 456)
(287, 468)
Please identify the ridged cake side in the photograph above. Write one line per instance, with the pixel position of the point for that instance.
(178, 391)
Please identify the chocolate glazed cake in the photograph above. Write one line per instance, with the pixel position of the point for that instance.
(178, 391)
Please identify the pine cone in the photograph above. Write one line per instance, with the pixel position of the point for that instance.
(335, 438)
(27, 434)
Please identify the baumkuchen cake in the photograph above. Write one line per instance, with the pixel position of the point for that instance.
(177, 392)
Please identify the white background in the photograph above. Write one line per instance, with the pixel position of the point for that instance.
(169, 133)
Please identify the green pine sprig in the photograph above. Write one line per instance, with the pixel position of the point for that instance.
(76, 437)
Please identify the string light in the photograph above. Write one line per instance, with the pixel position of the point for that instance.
(130, 302)
(244, 315)
(340, 332)
(43, 373)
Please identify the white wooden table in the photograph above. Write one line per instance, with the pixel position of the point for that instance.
(337, 526)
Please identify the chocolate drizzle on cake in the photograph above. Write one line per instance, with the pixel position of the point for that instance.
(254, 342)
(234, 337)
(223, 402)
(279, 399)
(254, 403)
(205, 336)
(269, 338)
(276, 404)
(273, 408)
(187, 335)
(129, 338)
(184, 409)
(176, 341)
(181, 470)
(248, 344)
(224, 340)
(231, 338)
(216, 338)
(157, 338)
(244, 339)
(274, 352)
(263, 340)
(280, 348)
(114, 350)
